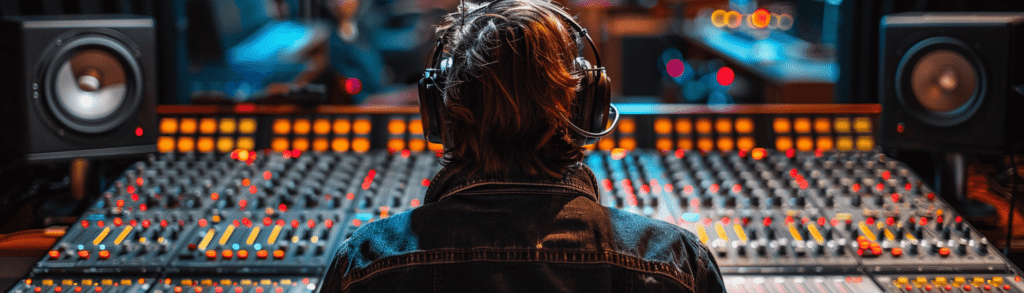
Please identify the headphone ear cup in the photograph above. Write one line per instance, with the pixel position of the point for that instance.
(431, 97)
(590, 110)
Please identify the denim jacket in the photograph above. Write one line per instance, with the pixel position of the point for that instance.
(479, 235)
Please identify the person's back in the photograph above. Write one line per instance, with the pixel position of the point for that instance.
(514, 210)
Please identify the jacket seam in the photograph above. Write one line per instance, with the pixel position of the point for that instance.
(450, 256)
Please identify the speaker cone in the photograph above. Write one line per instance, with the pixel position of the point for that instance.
(94, 84)
(940, 81)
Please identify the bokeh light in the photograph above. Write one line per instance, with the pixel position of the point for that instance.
(725, 76)
(675, 68)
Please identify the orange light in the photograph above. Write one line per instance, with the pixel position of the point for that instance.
(844, 143)
(247, 126)
(361, 144)
(824, 143)
(703, 126)
(227, 254)
(207, 126)
(865, 143)
(361, 126)
(282, 126)
(339, 145)
(301, 126)
(225, 144)
(435, 147)
(627, 143)
(781, 125)
(396, 126)
(205, 144)
(186, 144)
(718, 18)
(321, 126)
(416, 126)
(321, 144)
(705, 144)
(804, 144)
(760, 18)
(417, 145)
(627, 125)
(279, 144)
(227, 125)
(663, 144)
(396, 144)
(342, 126)
(822, 125)
(783, 143)
(165, 144)
(187, 126)
(605, 144)
(745, 143)
(758, 153)
(802, 125)
(733, 19)
(662, 125)
(684, 143)
(862, 124)
(744, 125)
(723, 125)
(245, 143)
(684, 126)
(301, 144)
(168, 125)
(725, 144)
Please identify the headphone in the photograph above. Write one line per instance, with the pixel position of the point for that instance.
(589, 110)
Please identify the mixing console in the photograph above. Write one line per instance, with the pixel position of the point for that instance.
(828, 214)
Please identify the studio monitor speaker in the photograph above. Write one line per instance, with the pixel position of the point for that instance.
(948, 81)
(77, 87)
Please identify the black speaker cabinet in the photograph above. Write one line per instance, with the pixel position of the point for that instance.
(947, 81)
(77, 87)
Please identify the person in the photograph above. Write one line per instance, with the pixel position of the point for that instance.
(514, 209)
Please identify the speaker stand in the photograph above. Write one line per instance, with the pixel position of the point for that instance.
(951, 180)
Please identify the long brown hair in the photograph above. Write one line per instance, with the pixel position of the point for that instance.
(512, 79)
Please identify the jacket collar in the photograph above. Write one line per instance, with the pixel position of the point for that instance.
(579, 179)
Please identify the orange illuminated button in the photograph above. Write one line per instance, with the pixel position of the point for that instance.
(227, 254)
(262, 254)
(243, 254)
(897, 252)
(278, 254)
(104, 254)
(83, 254)
(54, 254)
(211, 255)
(944, 251)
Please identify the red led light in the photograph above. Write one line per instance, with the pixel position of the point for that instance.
(143, 207)
(267, 175)
(425, 182)
(242, 203)
(821, 221)
(879, 186)
(713, 188)
(967, 287)
(897, 252)
(356, 222)
(725, 76)
(120, 202)
(330, 223)
(280, 222)
(259, 289)
(262, 254)
(78, 289)
(243, 254)
(295, 223)
(311, 223)
(58, 289)
(132, 223)
(350, 196)
(252, 189)
(957, 219)
(98, 289)
(245, 107)
(737, 188)
(767, 221)
(855, 187)
(104, 254)
(931, 196)
(760, 18)
(130, 189)
(890, 221)
(415, 203)
(163, 223)
(211, 255)
(236, 223)
(282, 207)
(790, 153)
(895, 197)
(83, 254)
(944, 251)
(924, 221)
(688, 189)
(177, 289)
(278, 254)
(100, 224)
(247, 222)
(908, 187)
(227, 254)
(145, 223)
(202, 222)
(353, 86)
(85, 224)
(218, 289)
(135, 197)
(238, 289)
(834, 222)
(54, 254)
(987, 287)
(886, 175)
(725, 220)
(118, 222)
(675, 68)
(870, 220)
(38, 289)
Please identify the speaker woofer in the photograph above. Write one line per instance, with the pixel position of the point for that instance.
(939, 81)
(93, 85)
